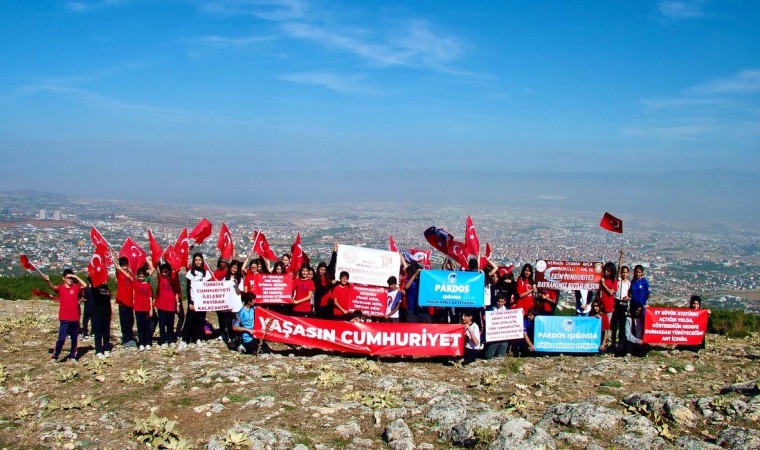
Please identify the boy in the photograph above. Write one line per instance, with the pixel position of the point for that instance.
(471, 337)
(143, 307)
(341, 298)
(243, 324)
(392, 301)
(69, 295)
(125, 300)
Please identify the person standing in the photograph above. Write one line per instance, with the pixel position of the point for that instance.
(69, 297)
(195, 321)
(101, 319)
(303, 293)
(143, 307)
(617, 324)
(125, 300)
(639, 290)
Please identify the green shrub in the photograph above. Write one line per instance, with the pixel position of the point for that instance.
(734, 323)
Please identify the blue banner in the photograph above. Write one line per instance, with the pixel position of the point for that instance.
(567, 334)
(452, 289)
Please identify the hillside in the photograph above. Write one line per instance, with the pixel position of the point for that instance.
(303, 399)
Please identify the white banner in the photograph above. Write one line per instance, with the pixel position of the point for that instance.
(367, 265)
(216, 296)
(504, 325)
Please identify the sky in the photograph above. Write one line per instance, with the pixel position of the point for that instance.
(194, 99)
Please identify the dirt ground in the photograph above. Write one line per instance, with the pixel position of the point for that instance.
(207, 389)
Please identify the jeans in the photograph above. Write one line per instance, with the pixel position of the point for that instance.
(165, 327)
(193, 330)
(127, 321)
(144, 329)
(617, 324)
(68, 328)
(180, 319)
(495, 349)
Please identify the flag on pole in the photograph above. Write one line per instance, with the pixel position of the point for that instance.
(155, 249)
(611, 223)
(182, 250)
(171, 256)
(43, 294)
(261, 246)
(225, 238)
(298, 257)
(456, 251)
(484, 258)
(97, 268)
(392, 244)
(97, 238)
(28, 265)
(134, 254)
(201, 231)
(471, 241)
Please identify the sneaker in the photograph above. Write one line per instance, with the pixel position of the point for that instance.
(142, 348)
(107, 354)
(241, 348)
(164, 345)
(147, 347)
(53, 359)
(99, 355)
(199, 342)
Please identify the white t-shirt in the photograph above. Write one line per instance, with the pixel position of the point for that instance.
(390, 303)
(468, 342)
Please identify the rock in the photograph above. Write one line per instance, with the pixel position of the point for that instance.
(225, 400)
(747, 388)
(719, 409)
(519, 434)
(349, 429)
(573, 440)
(639, 434)
(398, 435)
(582, 415)
(470, 431)
(739, 438)
(361, 444)
(300, 447)
(447, 410)
(672, 370)
(594, 446)
(753, 410)
(688, 368)
(666, 404)
(690, 443)
(261, 438)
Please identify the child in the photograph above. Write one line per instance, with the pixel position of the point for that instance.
(143, 306)
(357, 316)
(341, 298)
(124, 298)
(243, 324)
(99, 298)
(303, 293)
(639, 290)
(471, 337)
(167, 303)
(392, 301)
(68, 312)
(634, 331)
(598, 311)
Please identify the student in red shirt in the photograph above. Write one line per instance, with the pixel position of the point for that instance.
(607, 288)
(166, 303)
(303, 293)
(525, 288)
(124, 298)
(341, 298)
(69, 297)
(143, 306)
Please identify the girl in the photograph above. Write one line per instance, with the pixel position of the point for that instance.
(617, 324)
(167, 304)
(639, 290)
(234, 274)
(598, 311)
(471, 338)
(303, 293)
(525, 288)
(143, 306)
(195, 320)
(607, 287)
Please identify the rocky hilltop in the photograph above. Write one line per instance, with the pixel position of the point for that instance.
(208, 397)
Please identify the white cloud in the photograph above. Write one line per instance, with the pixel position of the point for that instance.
(682, 9)
(744, 83)
(226, 41)
(86, 6)
(346, 85)
(275, 10)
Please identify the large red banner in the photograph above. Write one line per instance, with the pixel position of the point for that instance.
(369, 299)
(568, 275)
(273, 289)
(369, 338)
(680, 326)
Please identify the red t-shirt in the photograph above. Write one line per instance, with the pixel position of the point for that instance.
(608, 300)
(143, 292)
(526, 303)
(68, 302)
(301, 288)
(124, 294)
(249, 282)
(167, 295)
(605, 323)
(546, 306)
(220, 274)
(341, 295)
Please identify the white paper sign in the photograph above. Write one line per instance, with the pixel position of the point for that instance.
(216, 296)
(367, 265)
(504, 325)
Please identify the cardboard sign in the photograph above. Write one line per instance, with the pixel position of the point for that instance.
(567, 334)
(568, 275)
(215, 296)
(273, 289)
(681, 326)
(454, 289)
(366, 265)
(369, 299)
(504, 325)
(369, 338)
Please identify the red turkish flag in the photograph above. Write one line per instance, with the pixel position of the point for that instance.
(611, 223)
(155, 249)
(484, 259)
(201, 231)
(298, 257)
(225, 237)
(97, 267)
(471, 241)
(27, 264)
(98, 239)
(392, 244)
(228, 251)
(134, 254)
(172, 258)
(261, 246)
(421, 256)
(456, 251)
(43, 294)
(182, 249)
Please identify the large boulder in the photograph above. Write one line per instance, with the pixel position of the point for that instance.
(519, 434)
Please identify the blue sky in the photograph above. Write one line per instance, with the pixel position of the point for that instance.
(155, 95)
